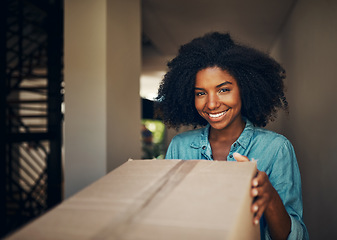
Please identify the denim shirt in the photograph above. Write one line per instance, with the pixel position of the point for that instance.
(274, 154)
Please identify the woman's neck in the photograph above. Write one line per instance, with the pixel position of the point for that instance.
(228, 134)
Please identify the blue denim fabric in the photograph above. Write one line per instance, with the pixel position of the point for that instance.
(274, 154)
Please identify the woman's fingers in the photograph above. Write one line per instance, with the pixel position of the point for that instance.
(240, 158)
(262, 193)
(258, 208)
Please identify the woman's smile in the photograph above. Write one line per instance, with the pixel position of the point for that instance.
(217, 116)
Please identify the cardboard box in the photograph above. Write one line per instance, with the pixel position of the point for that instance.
(156, 199)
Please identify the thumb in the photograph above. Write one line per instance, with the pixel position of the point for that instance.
(240, 158)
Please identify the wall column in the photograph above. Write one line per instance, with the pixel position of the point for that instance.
(101, 72)
(123, 73)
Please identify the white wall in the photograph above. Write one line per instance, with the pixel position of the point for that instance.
(123, 74)
(85, 93)
(307, 48)
(101, 71)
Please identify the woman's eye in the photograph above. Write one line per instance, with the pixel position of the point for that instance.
(199, 93)
(224, 90)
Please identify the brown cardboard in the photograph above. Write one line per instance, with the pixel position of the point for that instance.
(156, 199)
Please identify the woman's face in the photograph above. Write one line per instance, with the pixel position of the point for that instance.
(217, 98)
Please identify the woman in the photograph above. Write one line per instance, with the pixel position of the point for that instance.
(233, 90)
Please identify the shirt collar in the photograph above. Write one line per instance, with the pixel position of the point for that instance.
(246, 135)
(202, 139)
(244, 139)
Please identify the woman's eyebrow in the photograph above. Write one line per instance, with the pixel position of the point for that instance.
(224, 83)
(217, 86)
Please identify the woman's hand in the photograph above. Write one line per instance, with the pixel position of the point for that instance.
(267, 201)
(263, 192)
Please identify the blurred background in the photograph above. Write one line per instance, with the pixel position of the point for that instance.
(78, 80)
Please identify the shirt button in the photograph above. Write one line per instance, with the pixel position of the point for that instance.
(235, 144)
(231, 156)
(203, 147)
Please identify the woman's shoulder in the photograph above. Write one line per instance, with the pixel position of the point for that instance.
(262, 134)
(182, 144)
(268, 133)
(270, 137)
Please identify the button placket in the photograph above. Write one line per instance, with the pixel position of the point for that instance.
(233, 148)
(203, 152)
(206, 152)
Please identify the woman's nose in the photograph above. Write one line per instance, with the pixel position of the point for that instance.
(213, 102)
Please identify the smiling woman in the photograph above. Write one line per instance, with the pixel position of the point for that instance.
(217, 100)
(233, 91)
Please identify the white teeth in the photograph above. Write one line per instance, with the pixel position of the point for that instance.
(217, 115)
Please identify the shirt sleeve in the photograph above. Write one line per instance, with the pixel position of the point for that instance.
(172, 151)
(286, 179)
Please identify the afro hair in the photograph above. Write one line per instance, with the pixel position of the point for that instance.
(259, 77)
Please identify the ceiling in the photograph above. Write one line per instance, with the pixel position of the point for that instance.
(167, 24)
